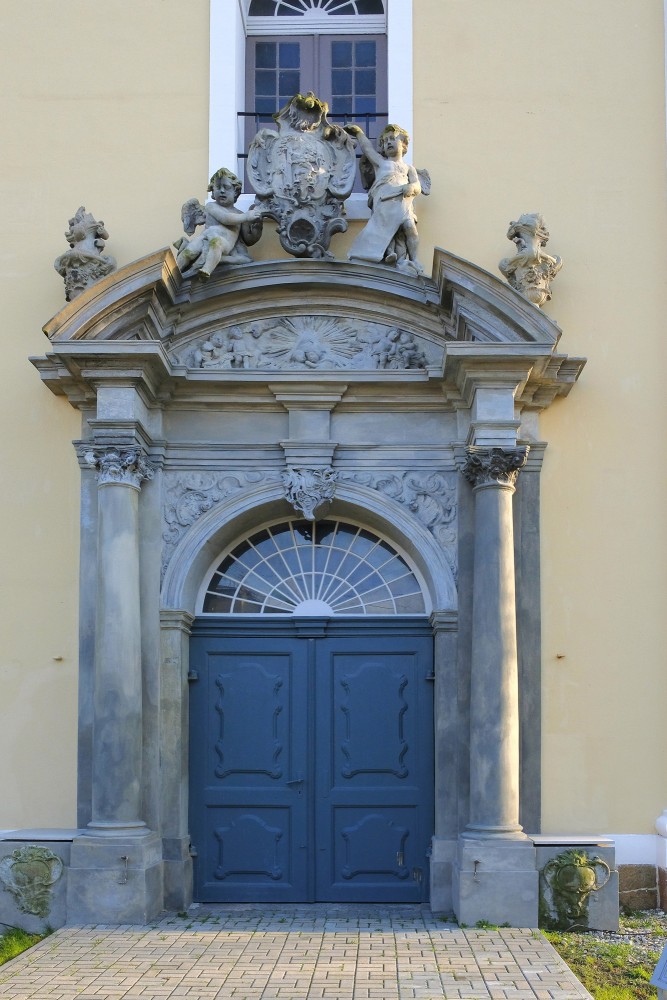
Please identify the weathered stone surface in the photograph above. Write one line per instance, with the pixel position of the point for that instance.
(531, 271)
(302, 174)
(390, 237)
(227, 231)
(33, 883)
(638, 886)
(84, 263)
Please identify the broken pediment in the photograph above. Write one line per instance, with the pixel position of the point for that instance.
(359, 322)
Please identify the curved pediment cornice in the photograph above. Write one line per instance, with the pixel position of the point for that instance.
(334, 319)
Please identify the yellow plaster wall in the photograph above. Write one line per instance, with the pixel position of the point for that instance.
(106, 105)
(563, 112)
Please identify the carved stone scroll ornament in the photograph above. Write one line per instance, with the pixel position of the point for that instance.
(532, 270)
(189, 495)
(307, 343)
(427, 495)
(226, 234)
(127, 467)
(28, 873)
(390, 236)
(302, 174)
(494, 466)
(310, 491)
(84, 263)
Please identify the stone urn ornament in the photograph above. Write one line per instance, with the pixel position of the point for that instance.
(532, 270)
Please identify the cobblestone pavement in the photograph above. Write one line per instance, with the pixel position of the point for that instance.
(250, 952)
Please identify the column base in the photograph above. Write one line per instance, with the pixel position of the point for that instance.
(115, 880)
(495, 880)
(443, 858)
(177, 868)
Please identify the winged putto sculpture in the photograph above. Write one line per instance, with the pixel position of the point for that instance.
(227, 231)
(302, 175)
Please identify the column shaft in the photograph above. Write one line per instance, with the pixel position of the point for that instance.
(494, 696)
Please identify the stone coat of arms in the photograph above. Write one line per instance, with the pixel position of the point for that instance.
(302, 175)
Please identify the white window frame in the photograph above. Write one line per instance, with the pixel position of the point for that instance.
(228, 26)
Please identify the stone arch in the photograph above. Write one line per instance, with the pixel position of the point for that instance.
(226, 521)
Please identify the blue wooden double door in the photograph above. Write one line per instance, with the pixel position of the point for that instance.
(311, 760)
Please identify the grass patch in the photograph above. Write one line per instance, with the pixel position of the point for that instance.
(615, 970)
(14, 941)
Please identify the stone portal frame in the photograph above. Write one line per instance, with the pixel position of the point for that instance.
(127, 353)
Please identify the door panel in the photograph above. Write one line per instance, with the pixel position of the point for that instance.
(374, 803)
(249, 815)
(311, 765)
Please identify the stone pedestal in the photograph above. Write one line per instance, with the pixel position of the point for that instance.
(115, 880)
(496, 880)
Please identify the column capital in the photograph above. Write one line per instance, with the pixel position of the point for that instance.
(122, 466)
(494, 466)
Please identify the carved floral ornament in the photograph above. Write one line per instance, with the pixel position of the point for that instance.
(310, 491)
(429, 496)
(126, 467)
(307, 343)
(494, 466)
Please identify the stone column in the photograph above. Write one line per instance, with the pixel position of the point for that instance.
(494, 694)
(117, 730)
(496, 877)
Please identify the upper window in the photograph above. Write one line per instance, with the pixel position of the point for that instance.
(326, 568)
(291, 8)
(335, 48)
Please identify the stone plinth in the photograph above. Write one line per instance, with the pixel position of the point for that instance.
(115, 880)
(495, 880)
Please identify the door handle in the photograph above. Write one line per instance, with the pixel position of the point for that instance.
(295, 781)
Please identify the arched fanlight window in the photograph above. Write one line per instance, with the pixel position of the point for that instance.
(296, 8)
(299, 567)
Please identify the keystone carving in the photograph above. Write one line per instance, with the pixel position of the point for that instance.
(28, 873)
(494, 466)
(302, 174)
(307, 343)
(390, 236)
(310, 491)
(84, 263)
(227, 232)
(532, 270)
(127, 467)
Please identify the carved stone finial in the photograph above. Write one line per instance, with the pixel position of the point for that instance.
(494, 466)
(28, 874)
(390, 236)
(310, 490)
(84, 263)
(302, 174)
(532, 270)
(127, 466)
(227, 231)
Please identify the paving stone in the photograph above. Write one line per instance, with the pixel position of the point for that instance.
(323, 952)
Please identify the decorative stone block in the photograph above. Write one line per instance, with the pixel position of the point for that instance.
(578, 883)
(33, 884)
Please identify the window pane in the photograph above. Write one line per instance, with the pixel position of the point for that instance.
(365, 53)
(364, 81)
(289, 82)
(341, 81)
(262, 8)
(364, 106)
(341, 54)
(265, 55)
(289, 55)
(265, 82)
(265, 105)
